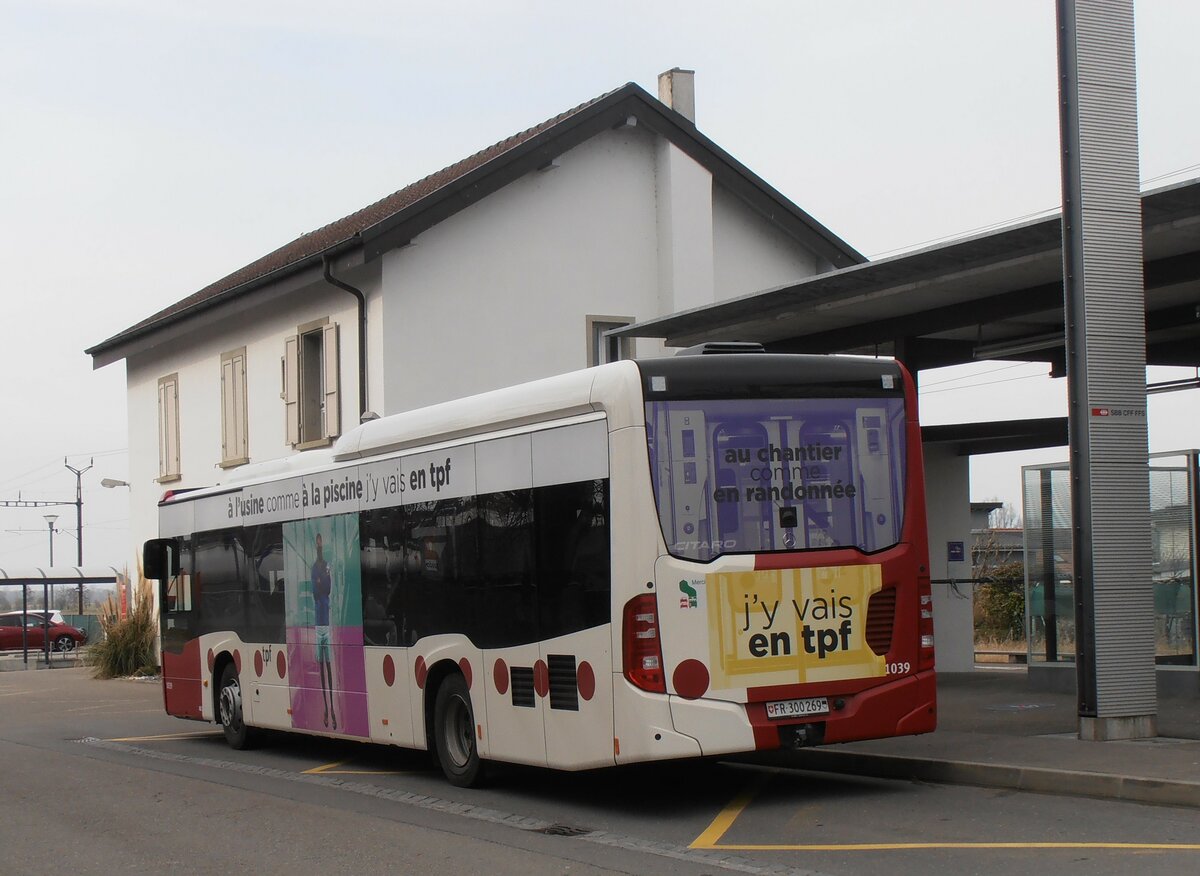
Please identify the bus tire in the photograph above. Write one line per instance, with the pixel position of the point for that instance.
(229, 705)
(454, 733)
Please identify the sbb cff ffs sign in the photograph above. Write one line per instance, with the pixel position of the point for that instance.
(1114, 413)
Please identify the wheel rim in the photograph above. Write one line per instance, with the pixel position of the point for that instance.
(458, 735)
(66, 643)
(231, 705)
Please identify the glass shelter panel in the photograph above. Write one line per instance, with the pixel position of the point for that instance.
(1172, 544)
(1048, 564)
(1048, 558)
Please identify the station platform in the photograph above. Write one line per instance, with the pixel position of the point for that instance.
(995, 730)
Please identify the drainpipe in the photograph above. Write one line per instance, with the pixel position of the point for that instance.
(327, 265)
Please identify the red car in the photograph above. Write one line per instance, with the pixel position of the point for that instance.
(63, 636)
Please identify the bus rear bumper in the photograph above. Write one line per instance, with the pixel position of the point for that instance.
(905, 707)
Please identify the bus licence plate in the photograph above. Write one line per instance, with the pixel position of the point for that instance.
(797, 708)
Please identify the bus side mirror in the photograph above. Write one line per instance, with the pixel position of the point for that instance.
(160, 559)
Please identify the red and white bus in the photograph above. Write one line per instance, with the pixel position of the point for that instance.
(665, 558)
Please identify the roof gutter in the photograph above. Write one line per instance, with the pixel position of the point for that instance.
(155, 325)
(326, 267)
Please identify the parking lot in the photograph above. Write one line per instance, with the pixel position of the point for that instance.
(112, 738)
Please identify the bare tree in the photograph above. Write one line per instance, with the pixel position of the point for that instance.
(1005, 517)
(999, 575)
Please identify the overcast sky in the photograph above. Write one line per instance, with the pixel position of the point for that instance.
(152, 147)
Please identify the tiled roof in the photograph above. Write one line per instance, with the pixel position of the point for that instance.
(342, 230)
(429, 200)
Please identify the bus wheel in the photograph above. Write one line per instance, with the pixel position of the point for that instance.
(454, 733)
(237, 734)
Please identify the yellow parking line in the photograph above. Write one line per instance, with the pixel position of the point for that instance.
(713, 833)
(95, 708)
(324, 768)
(891, 847)
(364, 772)
(710, 839)
(200, 734)
(333, 769)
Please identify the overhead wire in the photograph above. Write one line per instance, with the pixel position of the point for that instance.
(12, 481)
(984, 383)
(1000, 223)
(974, 374)
(1187, 169)
(55, 466)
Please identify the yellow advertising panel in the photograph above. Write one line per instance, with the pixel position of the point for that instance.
(791, 626)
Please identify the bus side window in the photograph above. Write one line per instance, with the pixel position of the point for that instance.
(179, 592)
(383, 561)
(220, 582)
(573, 557)
(265, 567)
(178, 603)
(506, 561)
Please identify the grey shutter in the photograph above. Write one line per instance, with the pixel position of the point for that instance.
(168, 427)
(233, 407)
(333, 406)
(291, 389)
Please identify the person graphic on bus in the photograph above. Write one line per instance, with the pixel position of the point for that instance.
(322, 583)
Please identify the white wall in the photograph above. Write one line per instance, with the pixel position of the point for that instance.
(498, 293)
(196, 357)
(948, 498)
(749, 253)
(684, 201)
(625, 225)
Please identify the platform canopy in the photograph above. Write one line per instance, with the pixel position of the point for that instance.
(996, 295)
(60, 575)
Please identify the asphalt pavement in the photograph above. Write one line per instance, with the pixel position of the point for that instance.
(995, 730)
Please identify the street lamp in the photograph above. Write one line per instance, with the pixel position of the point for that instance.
(112, 483)
(50, 518)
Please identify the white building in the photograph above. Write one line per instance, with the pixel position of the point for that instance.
(503, 267)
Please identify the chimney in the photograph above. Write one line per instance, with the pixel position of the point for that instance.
(677, 89)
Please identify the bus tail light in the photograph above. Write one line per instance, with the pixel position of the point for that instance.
(641, 646)
(925, 624)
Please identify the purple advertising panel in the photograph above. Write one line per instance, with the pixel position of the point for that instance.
(326, 672)
(754, 475)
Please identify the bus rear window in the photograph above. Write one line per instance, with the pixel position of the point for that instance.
(756, 475)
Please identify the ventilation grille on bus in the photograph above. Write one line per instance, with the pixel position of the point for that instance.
(522, 687)
(881, 616)
(564, 683)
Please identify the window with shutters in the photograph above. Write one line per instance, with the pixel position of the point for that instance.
(168, 428)
(311, 400)
(234, 435)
